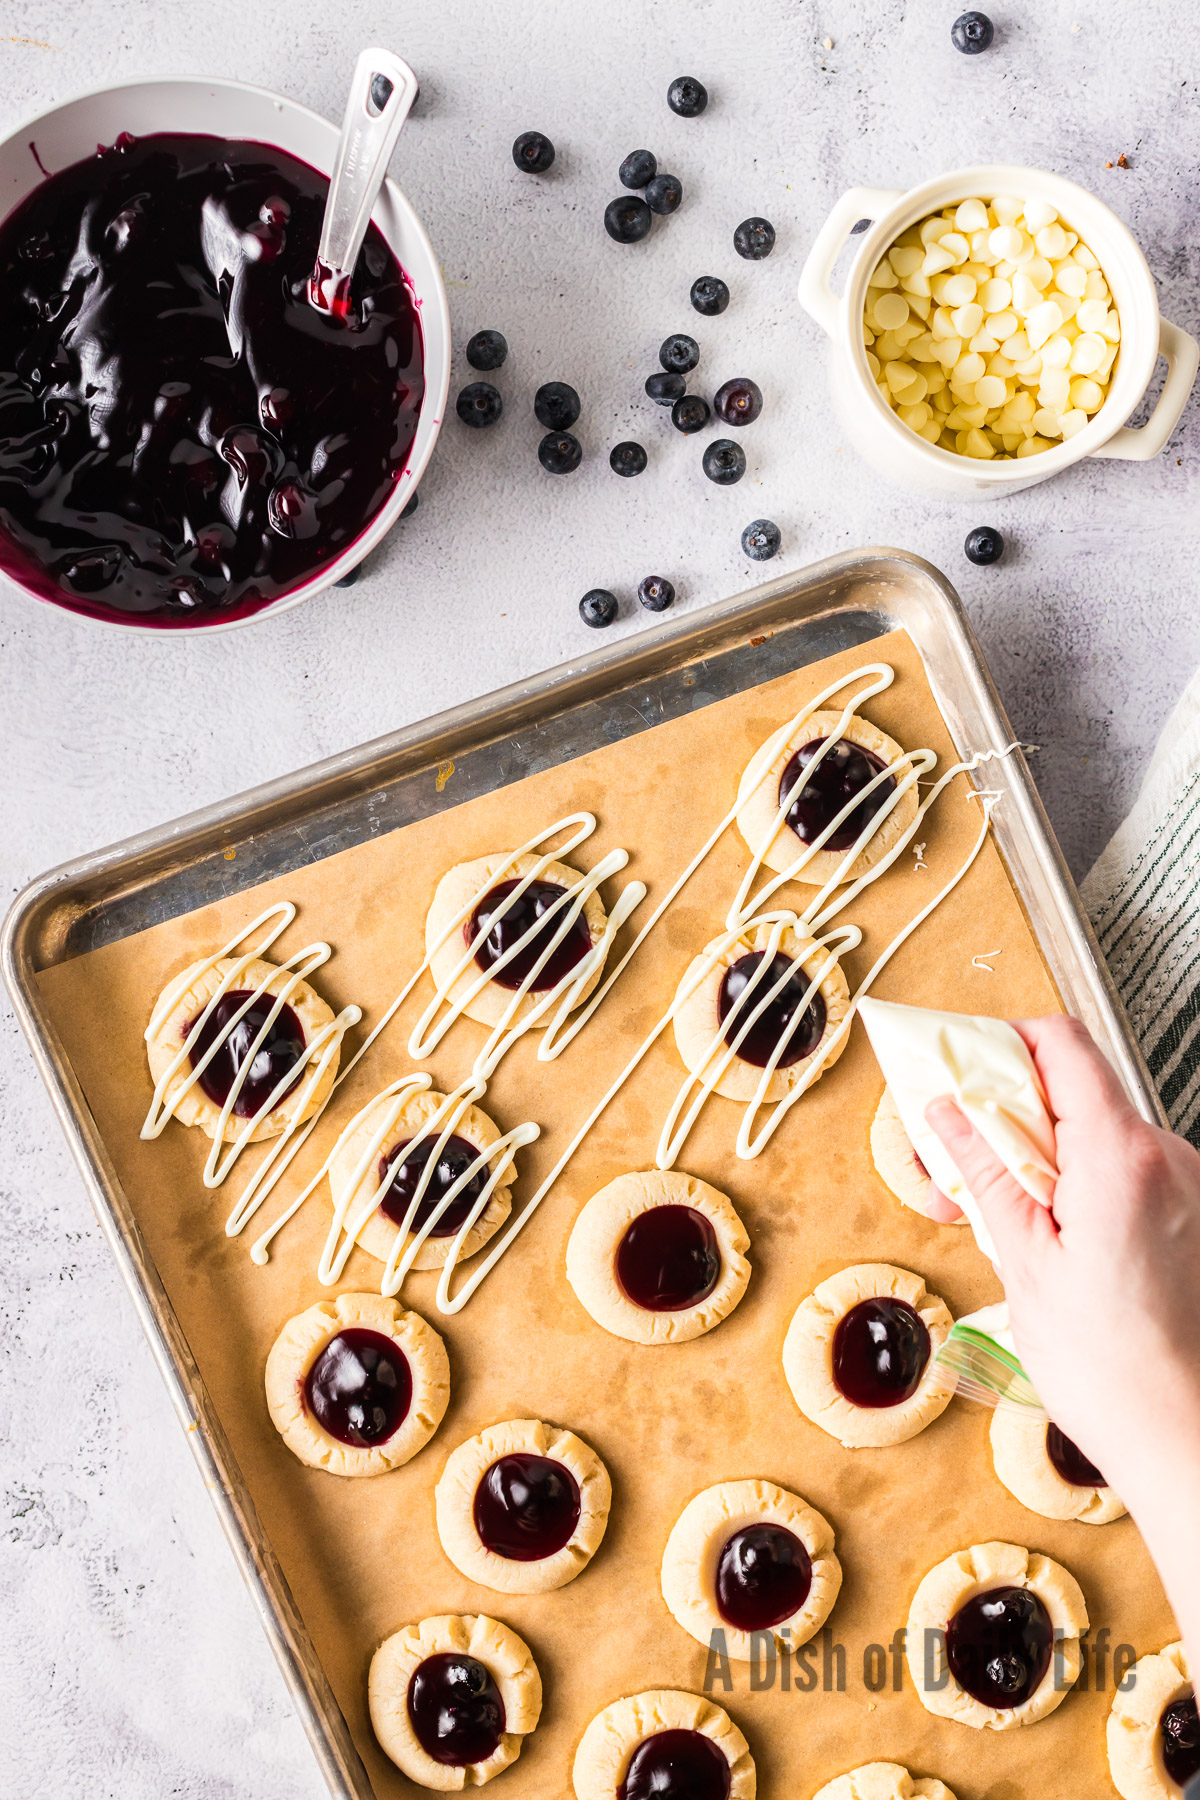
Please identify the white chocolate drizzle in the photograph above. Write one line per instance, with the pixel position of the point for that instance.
(320, 1047)
(564, 1022)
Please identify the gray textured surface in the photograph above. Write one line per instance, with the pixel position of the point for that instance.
(130, 1663)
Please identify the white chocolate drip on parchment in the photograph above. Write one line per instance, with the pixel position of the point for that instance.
(743, 919)
(319, 1049)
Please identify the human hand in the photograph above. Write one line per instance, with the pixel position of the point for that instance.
(1104, 1290)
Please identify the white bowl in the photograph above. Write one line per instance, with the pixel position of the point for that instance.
(232, 109)
(886, 441)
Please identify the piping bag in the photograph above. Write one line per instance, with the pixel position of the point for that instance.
(985, 1066)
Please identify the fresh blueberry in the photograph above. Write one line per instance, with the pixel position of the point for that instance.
(628, 219)
(664, 390)
(487, 350)
(559, 453)
(479, 404)
(687, 97)
(754, 239)
(724, 462)
(533, 152)
(710, 295)
(556, 405)
(352, 575)
(972, 32)
(656, 593)
(664, 194)
(679, 353)
(761, 540)
(984, 545)
(690, 413)
(639, 167)
(381, 93)
(598, 608)
(627, 459)
(739, 401)
(411, 508)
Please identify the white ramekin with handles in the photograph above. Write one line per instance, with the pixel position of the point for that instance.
(896, 451)
(233, 109)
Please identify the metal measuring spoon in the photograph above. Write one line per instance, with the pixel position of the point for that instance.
(382, 91)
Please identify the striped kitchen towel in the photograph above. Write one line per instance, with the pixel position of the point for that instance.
(1143, 897)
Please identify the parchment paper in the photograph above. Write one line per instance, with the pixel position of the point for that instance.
(363, 1557)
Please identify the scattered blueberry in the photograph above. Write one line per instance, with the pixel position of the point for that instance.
(627, 459)
(710, 295)
(739, 402)
(724, 462)
(639, 167)
(984, 545)
(559, 453)
(533, 152)
(411, 508)
(664, 390)
(687, 97)
(690, 413)
(656, 593)
(479, 404)
(761, 540)
(487, 350)
(679, 353)
(381, 93)
(352, 575)
(598, 608)
(972, 32)
(664, 194)
(556, 405)
(628, 219)
(754, 239)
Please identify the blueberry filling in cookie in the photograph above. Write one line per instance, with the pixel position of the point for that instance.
(844, 772)
(760, 1042)
(455, 1709)
(880, 1352)
(1070, 1461)
(359, 1388)
(526, 1507)
(1180, 1729)
(677, 1765)
(279, 1052)
(522, 916)
(406, 1171)
(764, 1573)
(998, 1646)
(668, 1259)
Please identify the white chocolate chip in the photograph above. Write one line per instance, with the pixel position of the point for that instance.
(891, 309)
(1038, 214)
(971, 216)
(1007, 209)
(959, 290)
(1086, 394)
(1042, 323)
(1072, 422)
(1087, 353)
(905, 259)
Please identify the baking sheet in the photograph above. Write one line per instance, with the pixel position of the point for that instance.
(363, 1558)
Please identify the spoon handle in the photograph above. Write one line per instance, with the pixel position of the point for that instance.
(382, 90)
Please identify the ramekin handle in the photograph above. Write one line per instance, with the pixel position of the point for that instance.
(816, 296)
(1137, 443)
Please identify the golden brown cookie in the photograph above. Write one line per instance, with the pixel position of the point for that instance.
(759, 801)
(447, 943)
(883, 1781)
(689, 1261)
(1022, 1454)
(878, 1329)
(181, 1003)
(948, 1606)
(522, 1507)
(1135, 1724)
(698, 1024)
(413, 1705)
(324, 1370)
(628, 1729)
(733, 1528)
(897, 1163)
(378, 1235)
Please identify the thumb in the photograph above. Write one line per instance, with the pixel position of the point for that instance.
(1021, 1229)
